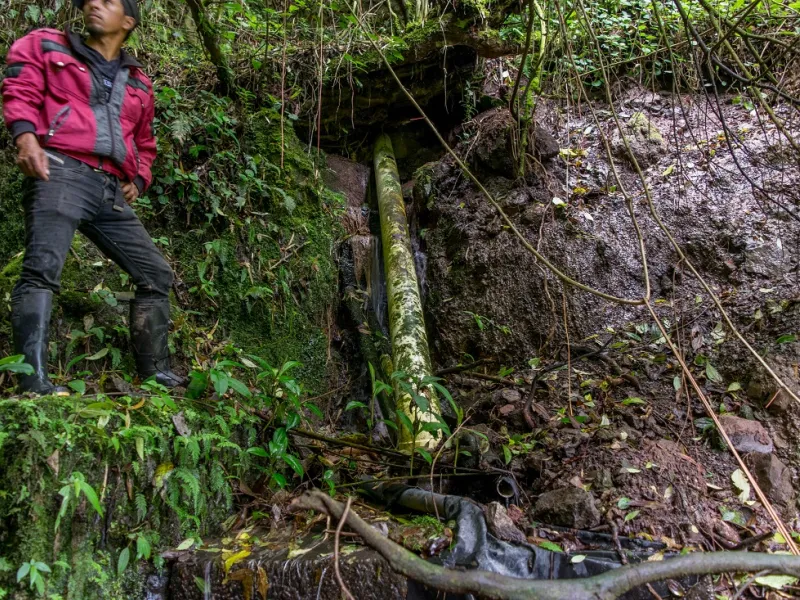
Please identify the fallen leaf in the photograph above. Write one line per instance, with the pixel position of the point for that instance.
(263, 583)
(740, 482)
(234, 558)
(776, 582)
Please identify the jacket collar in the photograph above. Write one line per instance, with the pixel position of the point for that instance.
(79, 47)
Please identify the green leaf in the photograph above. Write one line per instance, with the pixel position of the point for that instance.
(734, 387)
(122, 563)
(506, 454)
(42, 567)
(551, 546)
(623, 503)
(91, 496)
(142, 548)
(712, 373)
(424, 454)
(776, 582)
(405, 421)
(14, 358)
(314, 409)
(280, 440)
(186, 544)
(16, 364)
(294, 463)
(786, 339)
(37, 580)
(677, 382)
(23, 571)
(279, 479)
(577, 558)
(354, 404)
(443, 391)
(631, 515)
(99, 355)
(198, 383)
(239, 387)
(629, 401)
(74, 361)
(200, 583)
(78, 385)
(422, 402)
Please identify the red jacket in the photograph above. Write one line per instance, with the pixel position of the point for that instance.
(50, 90)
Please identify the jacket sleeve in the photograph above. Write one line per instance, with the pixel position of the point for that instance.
(24, 85)
(146, 144)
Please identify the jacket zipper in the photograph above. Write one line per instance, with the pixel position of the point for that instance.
(57, 122)
(110, 130)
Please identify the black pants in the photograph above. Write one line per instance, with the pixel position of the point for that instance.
(79, 198)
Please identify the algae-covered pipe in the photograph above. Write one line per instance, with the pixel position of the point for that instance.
(406, 321)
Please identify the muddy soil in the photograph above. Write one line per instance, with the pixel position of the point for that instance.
(620, 424)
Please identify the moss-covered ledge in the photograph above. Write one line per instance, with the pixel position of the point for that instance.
(153, 486)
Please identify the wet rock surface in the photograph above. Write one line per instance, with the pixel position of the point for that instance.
(301, 570)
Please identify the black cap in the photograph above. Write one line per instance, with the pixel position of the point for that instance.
(131, 8)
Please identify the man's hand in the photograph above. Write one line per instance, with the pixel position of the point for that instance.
(31, 159)
(130, 191)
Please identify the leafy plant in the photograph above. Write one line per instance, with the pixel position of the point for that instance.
(73, 489)
(16, 364)
(33, 571)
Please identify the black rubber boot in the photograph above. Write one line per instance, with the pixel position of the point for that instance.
(149, 326)
(30, 322)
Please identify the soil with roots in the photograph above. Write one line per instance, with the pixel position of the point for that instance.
(620, 424)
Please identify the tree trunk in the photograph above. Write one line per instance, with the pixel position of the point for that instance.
(406, 321)
(209, 36)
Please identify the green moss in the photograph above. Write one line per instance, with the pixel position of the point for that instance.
(165, 487)
(12, 225)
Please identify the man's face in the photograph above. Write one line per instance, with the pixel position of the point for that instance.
(106, 17)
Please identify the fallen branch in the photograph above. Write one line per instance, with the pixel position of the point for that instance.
(608, 586)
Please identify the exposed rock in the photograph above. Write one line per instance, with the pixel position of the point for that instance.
(500, 524)
(773, 477)
(508, 410)
(781, 402)
(747, 436)
(726, 532)
(506, 396)
(645, 140)
(567, 507)
(545, 145)
(347, 177)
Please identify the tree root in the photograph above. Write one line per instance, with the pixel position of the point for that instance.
(607, 586)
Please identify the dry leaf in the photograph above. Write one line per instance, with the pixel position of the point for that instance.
(263, 583)
(52, 462)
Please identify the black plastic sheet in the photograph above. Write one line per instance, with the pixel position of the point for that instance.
(475, 547)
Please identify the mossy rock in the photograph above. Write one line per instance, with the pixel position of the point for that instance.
(150, 483)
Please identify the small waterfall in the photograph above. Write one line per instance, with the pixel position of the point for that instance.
(376, 283)
(207, 581)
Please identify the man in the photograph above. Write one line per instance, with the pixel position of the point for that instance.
(81, 112)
